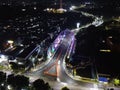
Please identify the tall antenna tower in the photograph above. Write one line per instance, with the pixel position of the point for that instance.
(60, 3)
(61, 10)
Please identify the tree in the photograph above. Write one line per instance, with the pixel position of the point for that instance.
(2, 80)
(39, 84)
(47, 86)
(116, 82)
(65, 88)
(21, 81)
(2, 77)
(18, 81)
(10, 80)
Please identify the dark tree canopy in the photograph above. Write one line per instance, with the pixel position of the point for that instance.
(39, 84)
(2, 77)
(65, 88)
(21, 81)
(18, 81)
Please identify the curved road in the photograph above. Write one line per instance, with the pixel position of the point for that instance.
(54, 71)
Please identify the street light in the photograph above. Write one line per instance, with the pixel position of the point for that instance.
(3, 56)
(78, 25)
(9, 87)
(10, 42)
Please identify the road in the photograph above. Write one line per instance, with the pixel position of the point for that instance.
(54, 72)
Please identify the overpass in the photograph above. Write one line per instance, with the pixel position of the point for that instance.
(58, 41)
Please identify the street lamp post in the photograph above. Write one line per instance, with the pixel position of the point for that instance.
(78, 25)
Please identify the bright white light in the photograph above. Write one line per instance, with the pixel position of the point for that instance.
(72, 7)
(105, 82)
(78, 25)
(51, 9)
(23, 9)
(35, 8)
(56, 45)
(10, 41)
(20, 63)
(47, 9)
(21, 45)
(13, 60)
(2, 56)
(59, 62)
(68, 56)
(63, 35)
(61, 10)
(65, 84)
(95, 85)
(103, 41)
(65, 10)
(31, 20)
(94, 89)
(2, 84)
(110, 37)
(58, 79)
(23, 89)
(9, 87)
(103, 50)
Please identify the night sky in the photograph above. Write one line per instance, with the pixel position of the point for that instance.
(108, 1)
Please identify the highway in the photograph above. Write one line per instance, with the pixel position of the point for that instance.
(54, 71)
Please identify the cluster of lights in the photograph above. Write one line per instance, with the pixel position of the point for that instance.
(72, 8)
(61, 10)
